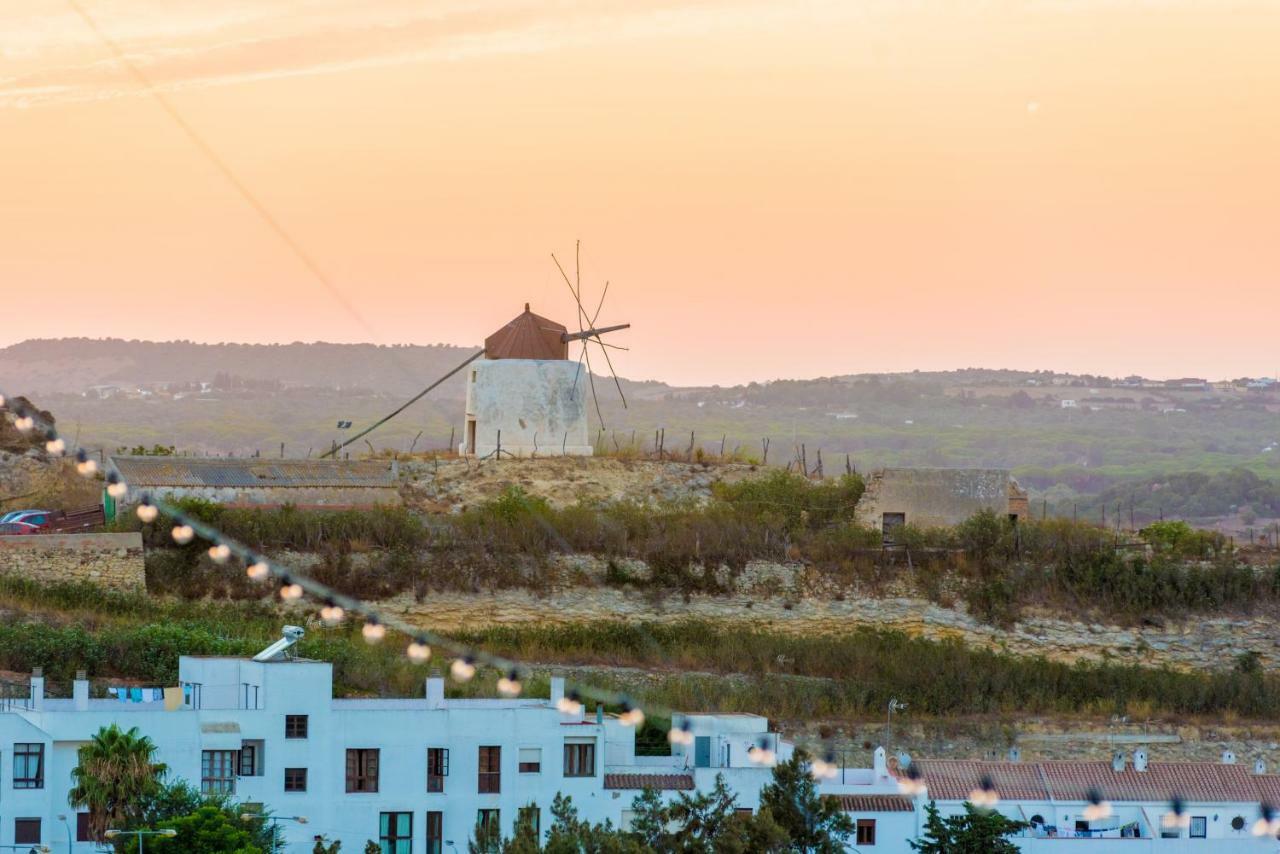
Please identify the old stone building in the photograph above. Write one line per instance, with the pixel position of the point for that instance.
(262, 483)
(929, 498)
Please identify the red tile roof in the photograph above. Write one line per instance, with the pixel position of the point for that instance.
(682, 782)
(953, 779)
(874, 803)
(528, 336)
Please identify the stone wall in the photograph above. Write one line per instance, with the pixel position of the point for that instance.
(791, 599)
(932, 498)
(111, 560)
(332, 497)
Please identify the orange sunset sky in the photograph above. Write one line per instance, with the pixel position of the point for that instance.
(781, 189)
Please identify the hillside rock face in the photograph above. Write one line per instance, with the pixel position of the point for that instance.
(786, 598)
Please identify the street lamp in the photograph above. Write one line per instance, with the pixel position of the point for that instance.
(71, 846)
(168, 831)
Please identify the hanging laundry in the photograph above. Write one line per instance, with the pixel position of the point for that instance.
(172, 699)
(157, 694)
(135, 695)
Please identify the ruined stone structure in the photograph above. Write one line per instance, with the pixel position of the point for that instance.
(262, 483)
(113, 561)
(930, 498)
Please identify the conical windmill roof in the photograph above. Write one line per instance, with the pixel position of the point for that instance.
(528, 336)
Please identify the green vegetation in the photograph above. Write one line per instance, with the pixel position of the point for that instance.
(791, 818)
(711, 667)
(115, 774)
(977, 831)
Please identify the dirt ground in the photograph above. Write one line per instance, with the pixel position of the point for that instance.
(451, 485)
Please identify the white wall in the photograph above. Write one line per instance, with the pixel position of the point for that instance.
(539, 405)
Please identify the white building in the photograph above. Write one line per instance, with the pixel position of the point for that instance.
(524, 395)
(417, 774)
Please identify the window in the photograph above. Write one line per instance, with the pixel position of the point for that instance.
(866, 832)
(1199, 827)
(490, 771)
(745, 812)
(82, 827)
(580, 759)
(28, 766)
(26, 831)
(295, 779)
(218, 772)
(435, 833)
(395, 832)
(251, 759)
(437, 768)
(191, 694)
(531, 816)
(488, 829)
(295, 726)
(531, 760)
(362, 770)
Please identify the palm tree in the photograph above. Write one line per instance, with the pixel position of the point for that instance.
(115, 775)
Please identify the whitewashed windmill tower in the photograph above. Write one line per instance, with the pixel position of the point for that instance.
(525, 396)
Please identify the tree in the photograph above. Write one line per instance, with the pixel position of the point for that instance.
(208, 830)
(324, 846)
(975, 832)
(180, 799)
(116, 774)
(814, 824)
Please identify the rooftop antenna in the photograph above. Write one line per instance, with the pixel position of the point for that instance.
(588, 333)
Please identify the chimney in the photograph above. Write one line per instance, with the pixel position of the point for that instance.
(1260, 766)
(599, 713)
(37, 687)
(1228, 758)
(435, 691)
(1118, 761)
(1140, 760)
(880, 763)
(557, 690)
(80, 691)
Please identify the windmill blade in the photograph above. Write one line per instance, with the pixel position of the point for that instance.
(615, 375)
(591, 378)
(599, 306)
(577, 372)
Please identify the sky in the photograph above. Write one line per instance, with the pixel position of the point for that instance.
(796, 189)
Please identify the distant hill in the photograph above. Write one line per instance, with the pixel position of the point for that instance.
(77, 364)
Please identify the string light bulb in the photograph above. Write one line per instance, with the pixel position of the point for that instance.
(290, 591)
(147, 511)
(54, 444)
(570, 704)
(1098, 807)
(681, 735)
(984, 795)
(183, 534)
(258, 570)
(631, 716)
(418, 651)
(911, 783)
(509, 685)
(2, 401)
(373, 631)
(1177, 816)
(762, 753)
(220, 553)
(85, 467)
(24, 423)
(116, 487)
(331, 614)
(824, 768)
(1267, 822)
(462, 669)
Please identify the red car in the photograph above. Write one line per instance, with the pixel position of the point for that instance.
(19, 528)
(26, 522)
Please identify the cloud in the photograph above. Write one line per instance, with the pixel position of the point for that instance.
(190, 46)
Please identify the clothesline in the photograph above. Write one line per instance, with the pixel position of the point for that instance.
(171, 697)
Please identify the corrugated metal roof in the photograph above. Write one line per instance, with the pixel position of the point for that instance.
(874, 803)
(141, 472)
(528, 336)
(661, 782)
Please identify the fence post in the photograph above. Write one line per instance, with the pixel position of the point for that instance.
(765, 459)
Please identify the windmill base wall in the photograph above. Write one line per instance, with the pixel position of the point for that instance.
(539, 405)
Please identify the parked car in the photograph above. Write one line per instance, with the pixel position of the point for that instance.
(10, 528)
(39, 520)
